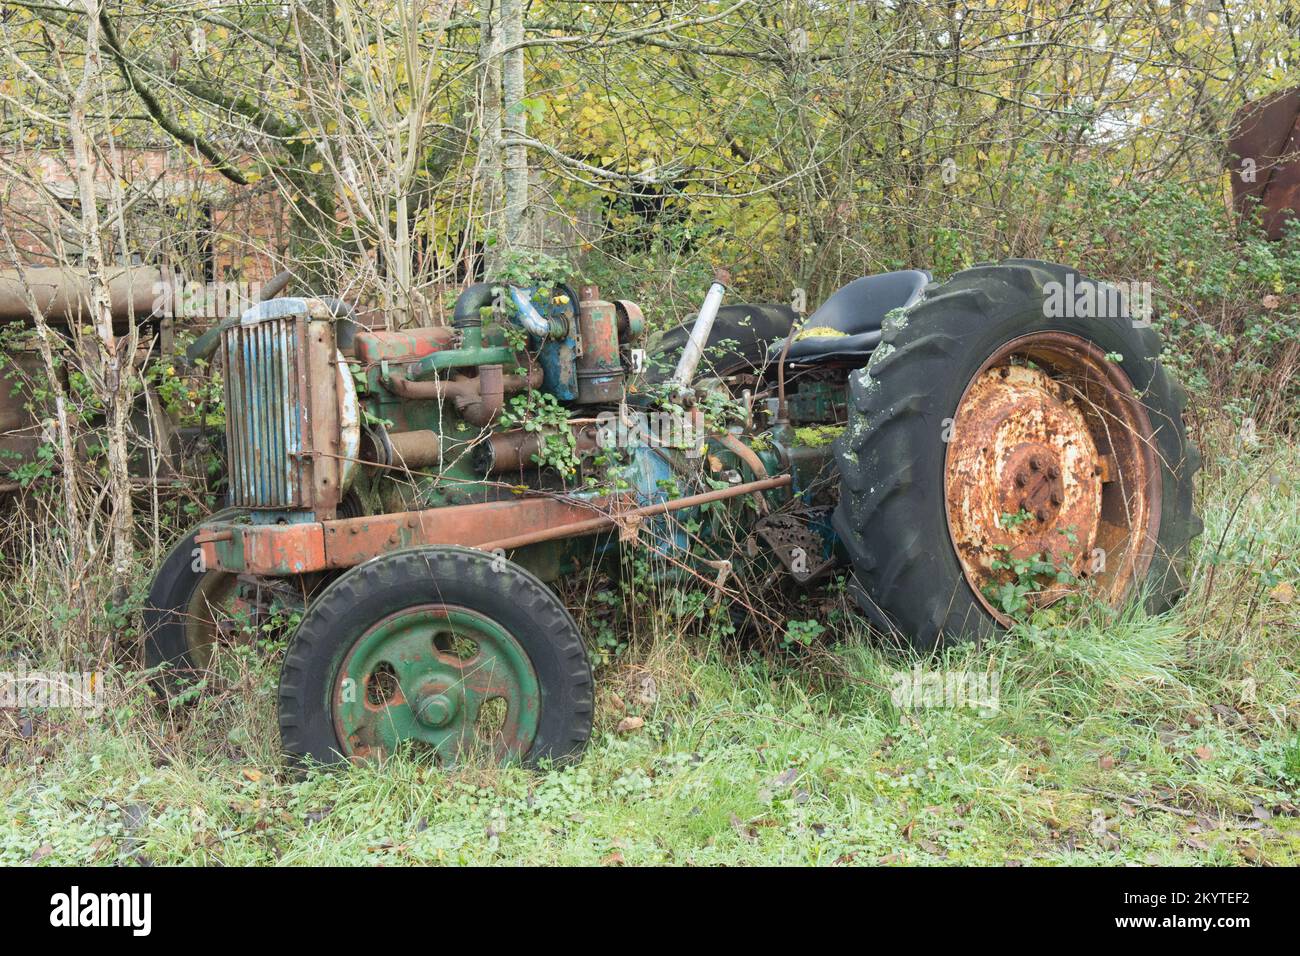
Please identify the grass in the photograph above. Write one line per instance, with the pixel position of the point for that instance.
(1117, 738)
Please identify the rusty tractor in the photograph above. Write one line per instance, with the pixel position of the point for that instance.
(962, 450)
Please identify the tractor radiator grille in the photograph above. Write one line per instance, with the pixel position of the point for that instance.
(264, 416)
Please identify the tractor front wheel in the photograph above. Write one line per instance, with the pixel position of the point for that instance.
(1014, 439)
(447, 650)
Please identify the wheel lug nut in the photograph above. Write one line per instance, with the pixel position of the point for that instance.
(1021, 478)
(1053, 472)
(1035, 464)
(1041, 514)
(1056, 498)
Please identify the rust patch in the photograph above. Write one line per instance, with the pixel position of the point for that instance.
(1021, 473)
(1264, 159)
(1052, 455)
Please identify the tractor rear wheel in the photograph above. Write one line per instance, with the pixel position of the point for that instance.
(1000, 455)
(447, 650)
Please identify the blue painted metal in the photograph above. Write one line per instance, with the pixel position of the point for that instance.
(560, 369)
(264, 417)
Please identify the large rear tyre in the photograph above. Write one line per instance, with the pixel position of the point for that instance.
(443, 649)
(991, 437)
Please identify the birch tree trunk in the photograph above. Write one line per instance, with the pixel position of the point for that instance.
(518, 213)
(487, 171)
(111, 381)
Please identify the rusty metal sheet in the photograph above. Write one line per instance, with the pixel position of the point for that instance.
(373, 347)
(271, 549)
(280, 549)
(1264, 158)
(351, 541)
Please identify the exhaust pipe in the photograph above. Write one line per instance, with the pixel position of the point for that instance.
(694, 351)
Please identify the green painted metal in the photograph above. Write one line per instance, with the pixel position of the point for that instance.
(426, 675)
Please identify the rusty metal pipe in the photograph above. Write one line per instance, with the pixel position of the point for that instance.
(512, 451)
(485, 403)
(750, 457)
(468, 393)
(604, 522)
(60, 292)
(415, 449)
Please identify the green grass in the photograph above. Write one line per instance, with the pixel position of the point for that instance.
(1117, 738)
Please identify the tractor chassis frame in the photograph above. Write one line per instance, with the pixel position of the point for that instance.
(295, 548)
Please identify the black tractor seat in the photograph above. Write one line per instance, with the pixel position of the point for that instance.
(853, 314)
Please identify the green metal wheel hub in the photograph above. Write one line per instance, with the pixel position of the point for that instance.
(438, 676)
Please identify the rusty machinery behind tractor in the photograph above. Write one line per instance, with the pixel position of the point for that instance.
(405, 497)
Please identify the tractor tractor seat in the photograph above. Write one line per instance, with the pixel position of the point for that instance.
(853, 315)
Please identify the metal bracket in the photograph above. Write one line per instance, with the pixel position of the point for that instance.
(798, 548)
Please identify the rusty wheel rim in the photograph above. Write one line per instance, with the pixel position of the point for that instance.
(1050, 454)
(438, 676)
(213, 612)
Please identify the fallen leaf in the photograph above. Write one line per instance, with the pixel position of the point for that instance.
(1204, 754)
(1283, 593)
(251, 775)
(42, 853)
(1270, 301)
(614, 859)
(629, 724)
(1106, 762)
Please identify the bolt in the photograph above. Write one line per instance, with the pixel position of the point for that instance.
(1004, 371)
(435, 710)
(1035, 464)
(1041, 514)
(1056, 498)
(1021, 478)
(1053, 472)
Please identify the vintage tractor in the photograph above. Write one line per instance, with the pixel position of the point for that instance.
(1001, 440)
